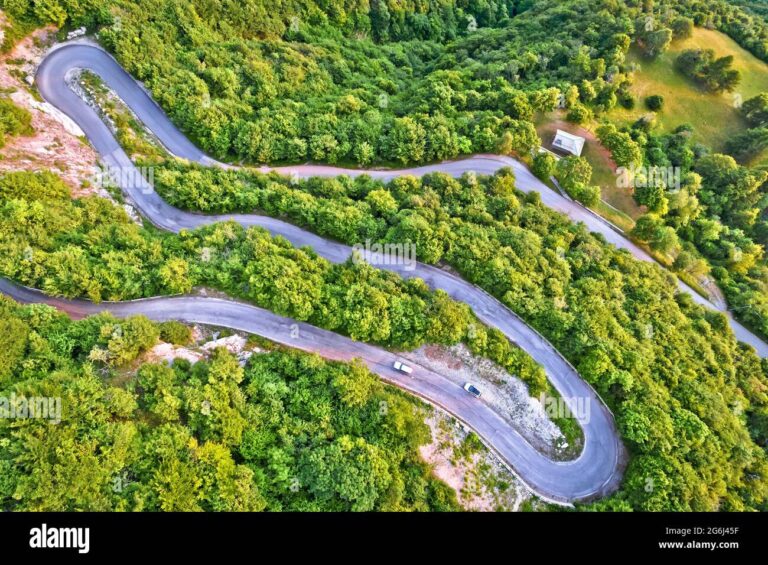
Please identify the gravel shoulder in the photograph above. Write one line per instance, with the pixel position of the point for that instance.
(58, 143)
(481, 481)
(504, 393)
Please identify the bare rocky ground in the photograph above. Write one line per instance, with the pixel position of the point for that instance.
(482, 483)
(57, 144)
(507, 394)
(204, 342)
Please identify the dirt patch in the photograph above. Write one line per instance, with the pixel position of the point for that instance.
(56, 143)
(506, 394)
(558, 123)
(547, 133)
(166, 352)
(481, 481)
(205, 341)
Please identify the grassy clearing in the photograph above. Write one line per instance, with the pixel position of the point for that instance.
(619, 205)
(714, 117)
(615, 216)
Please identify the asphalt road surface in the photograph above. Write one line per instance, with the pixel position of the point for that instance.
(51, 82)
(597, 470)
(595, 473)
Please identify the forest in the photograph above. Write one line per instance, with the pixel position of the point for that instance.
(394, 83)
(339, 85)
(90, 248)
(289, 432)
(695, 426)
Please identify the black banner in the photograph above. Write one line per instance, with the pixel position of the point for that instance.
(557, 535)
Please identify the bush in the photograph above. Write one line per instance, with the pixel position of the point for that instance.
(704, 67)
(587, 194)
(175, 332)
(14, 120)
(652, 230)
(579, 114)
(544, 165)
(645, 123)
(627, 101)
(654, 103)
(624, 150)
(755, 110)
(573, 170)
(574, 174)
(747, 144)
(682, 28)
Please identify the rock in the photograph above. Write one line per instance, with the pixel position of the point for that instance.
(76, 33)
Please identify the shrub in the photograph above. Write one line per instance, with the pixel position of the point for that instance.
(544, 165)
(14, 120)
(579, 114)
(627, 101)
(587, 194)
(655, 102)
(175, 332)
(682, 28)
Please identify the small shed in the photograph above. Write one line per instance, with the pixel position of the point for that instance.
(568, 142)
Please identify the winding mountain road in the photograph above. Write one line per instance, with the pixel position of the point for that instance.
(593, 474)
(597, 470)
(51, 81)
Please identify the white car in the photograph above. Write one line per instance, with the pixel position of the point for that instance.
(403, 368)
(472, 389)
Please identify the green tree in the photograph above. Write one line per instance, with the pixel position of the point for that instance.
(572, 171)
(651, 229)
(544, 165)
(682, 27)
(406, 141)
(755, 110)
(655, 102)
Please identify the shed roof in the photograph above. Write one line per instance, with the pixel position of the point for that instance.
(573, 144)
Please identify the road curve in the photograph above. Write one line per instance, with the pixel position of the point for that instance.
(51, 82)
(592, 475)
(597, 470)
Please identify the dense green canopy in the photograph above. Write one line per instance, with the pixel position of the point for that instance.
(288, 432)
(397, 82)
